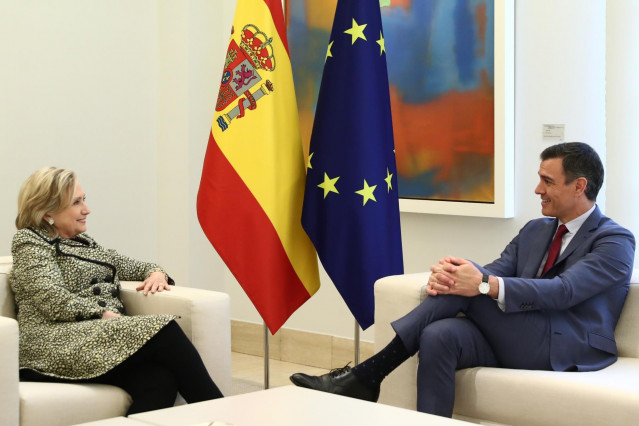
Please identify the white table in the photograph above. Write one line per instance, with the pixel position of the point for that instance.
(289, 405)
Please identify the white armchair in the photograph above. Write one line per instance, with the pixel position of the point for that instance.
(204, 317)
(526, 397)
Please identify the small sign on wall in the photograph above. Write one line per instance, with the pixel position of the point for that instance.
(553, 132)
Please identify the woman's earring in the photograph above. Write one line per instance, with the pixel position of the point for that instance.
(51, 221)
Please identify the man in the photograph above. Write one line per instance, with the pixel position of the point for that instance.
(550, 302)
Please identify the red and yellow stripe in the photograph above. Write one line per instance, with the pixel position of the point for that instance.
(250, 199)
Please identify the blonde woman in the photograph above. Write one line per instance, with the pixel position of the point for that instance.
(73, 324)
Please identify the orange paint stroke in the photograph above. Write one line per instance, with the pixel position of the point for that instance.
(406, 4)
(482, 20)
(433, 135)
(319, 14)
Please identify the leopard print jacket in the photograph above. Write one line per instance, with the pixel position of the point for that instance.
(61, 288)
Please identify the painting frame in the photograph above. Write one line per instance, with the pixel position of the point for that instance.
(504, 117)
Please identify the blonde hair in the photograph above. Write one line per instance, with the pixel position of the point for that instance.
(46, 191)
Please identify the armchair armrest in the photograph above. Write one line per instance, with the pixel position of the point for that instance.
(205, 317)
(395, 296)
(10, 399)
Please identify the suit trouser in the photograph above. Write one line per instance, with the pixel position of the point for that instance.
(485, 337)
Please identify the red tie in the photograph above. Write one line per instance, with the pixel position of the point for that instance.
(554, 248)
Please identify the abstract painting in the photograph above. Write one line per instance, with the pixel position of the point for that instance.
(450, 97)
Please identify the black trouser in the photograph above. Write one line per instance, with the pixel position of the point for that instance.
(167, 364)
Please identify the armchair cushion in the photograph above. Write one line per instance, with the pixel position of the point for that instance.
(65, 403)
(7, 306)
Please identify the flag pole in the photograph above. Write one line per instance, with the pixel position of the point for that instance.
(356, 355)
(266, 357)
(266, 337)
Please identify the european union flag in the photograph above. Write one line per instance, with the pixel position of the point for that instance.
(351, 209)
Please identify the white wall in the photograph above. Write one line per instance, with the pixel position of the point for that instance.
(193, 37)
(123, 92)
(622, 100)
(78, 89)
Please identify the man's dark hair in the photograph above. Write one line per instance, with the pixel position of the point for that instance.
(578, 160)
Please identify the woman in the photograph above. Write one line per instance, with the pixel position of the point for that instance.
(73, 324)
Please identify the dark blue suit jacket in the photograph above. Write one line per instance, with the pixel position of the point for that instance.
(582, 294)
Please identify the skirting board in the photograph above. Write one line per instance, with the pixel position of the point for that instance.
(299, 347)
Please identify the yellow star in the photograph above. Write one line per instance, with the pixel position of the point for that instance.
(389, 176)
(329, 54)
(356, 31)
(367, 192)
(308, 163)
(382, 44)
(328, 185)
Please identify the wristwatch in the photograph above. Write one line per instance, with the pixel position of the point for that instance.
(484, 285)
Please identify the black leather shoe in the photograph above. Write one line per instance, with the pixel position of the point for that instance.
(340, 381)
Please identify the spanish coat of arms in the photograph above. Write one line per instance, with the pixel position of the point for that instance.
(241, 73)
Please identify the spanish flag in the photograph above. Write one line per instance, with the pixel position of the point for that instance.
(250, 198)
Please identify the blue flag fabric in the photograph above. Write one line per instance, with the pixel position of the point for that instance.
(351, 208)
